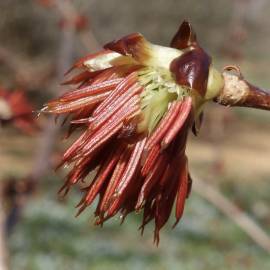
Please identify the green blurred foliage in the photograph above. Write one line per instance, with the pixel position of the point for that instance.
(50, 237)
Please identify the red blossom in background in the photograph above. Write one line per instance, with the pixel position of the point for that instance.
(15, 109)
(80, 23)
(46, 3)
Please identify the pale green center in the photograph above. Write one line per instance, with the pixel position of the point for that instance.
(160, 90)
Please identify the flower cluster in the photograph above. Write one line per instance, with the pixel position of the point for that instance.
(134, 103)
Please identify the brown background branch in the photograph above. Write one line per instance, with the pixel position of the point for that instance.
(233, 212)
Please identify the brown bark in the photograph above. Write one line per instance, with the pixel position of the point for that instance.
(3, 249)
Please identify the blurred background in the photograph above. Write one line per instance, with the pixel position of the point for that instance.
(227, 217)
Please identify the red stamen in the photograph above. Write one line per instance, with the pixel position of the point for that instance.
(116, 177)
(116, 120)
(71, 150)
(100, 139)
(116, 105)
(152, 178)
(107, 74)
(81, 77)
(185, 110)
(100, 178)
(60, 107)
(134, 161)
(164, 125)
(150, 160)
(182, 190)
(121, 88)
(90, 90)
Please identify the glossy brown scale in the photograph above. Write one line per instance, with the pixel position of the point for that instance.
(192, 69)
(134, 45)
(184, 37)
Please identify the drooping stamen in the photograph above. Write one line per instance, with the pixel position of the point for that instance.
(164, 204)
(116, 105)
(121, 88)
(114, 181)
(164, 125)
(81, 77)
(150, 160)
(115, 121)
(182, 189)
(121, 191)
(73, 148)
(90, 90)
(82, 121)
(106, 75)
(128, 205)
(101, 139)
(104, 173)
(101, 177)
(60, 107)
(151, 180)
(148, 214)
(179, 122)
(80, 170)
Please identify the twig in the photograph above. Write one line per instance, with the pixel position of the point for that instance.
(69, 13)
(23, 71)
(3, 249)
(238, 216)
